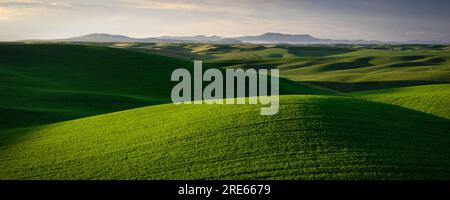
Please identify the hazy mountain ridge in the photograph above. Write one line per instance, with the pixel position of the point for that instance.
(280, 38)
(266, 38)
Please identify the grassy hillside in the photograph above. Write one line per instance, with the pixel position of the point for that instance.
(369, 69)
(433, 99)
(346, 68)
(238, 52)
(323, 130)
(313, 137)
(43, 83)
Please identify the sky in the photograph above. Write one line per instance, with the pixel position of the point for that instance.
(385, 20)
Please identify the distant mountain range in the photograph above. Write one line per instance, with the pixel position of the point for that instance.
(266, 38)
(109, 38)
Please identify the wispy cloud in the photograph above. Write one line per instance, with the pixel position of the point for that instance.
(162, 5)
(14, 10)
(33, 3)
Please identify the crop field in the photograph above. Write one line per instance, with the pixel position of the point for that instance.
(103, 111)
(433, 99)
(345, 68)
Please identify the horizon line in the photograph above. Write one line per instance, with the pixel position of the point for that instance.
(224, 37)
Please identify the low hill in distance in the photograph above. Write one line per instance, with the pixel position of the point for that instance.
(345, 68)
(266, 38)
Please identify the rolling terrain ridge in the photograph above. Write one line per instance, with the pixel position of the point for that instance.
(89, 111)
(312, 137)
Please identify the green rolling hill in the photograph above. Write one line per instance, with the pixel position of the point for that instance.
(43, 83)
(433, 99)
(85, 111)
(369, 69)
(346, 68)
(313, 137)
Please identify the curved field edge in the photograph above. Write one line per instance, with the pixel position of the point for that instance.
(312, 137)
(433, 99)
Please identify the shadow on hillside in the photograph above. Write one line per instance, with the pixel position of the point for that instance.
(314, 51)
(412, 58)
(358, 63)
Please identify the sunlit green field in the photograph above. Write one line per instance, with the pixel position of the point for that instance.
(103, 111)
(433, 99)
